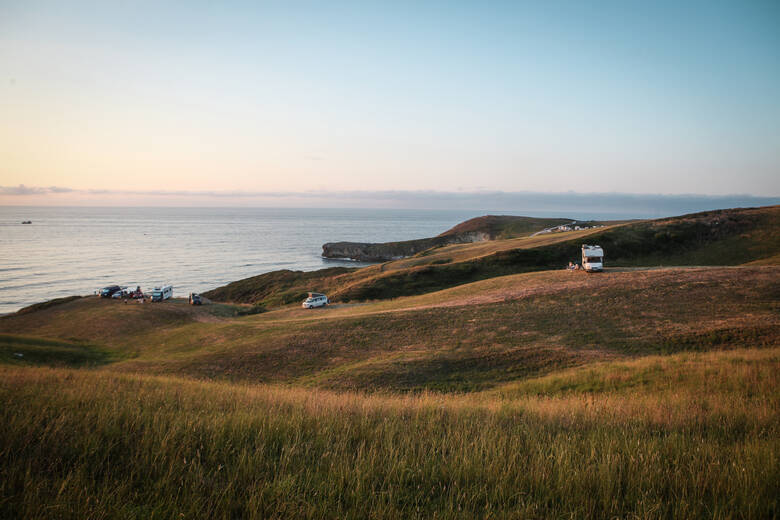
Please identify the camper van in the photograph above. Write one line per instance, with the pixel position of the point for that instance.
(162, 293)
(315, 300)
(592, 258)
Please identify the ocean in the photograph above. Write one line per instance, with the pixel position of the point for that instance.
(77, 250)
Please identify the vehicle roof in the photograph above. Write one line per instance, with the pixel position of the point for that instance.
(315, 295)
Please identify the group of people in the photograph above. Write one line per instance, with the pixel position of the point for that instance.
(573, 266)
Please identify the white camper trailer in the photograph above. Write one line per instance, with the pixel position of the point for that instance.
(162, 293)
(592, 258)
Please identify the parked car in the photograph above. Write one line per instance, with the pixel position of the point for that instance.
(315, 300)
(121, 293)
(195, 299)
(108, 292)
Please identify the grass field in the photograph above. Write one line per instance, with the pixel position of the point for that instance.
(681, 436)
(635, 393)
(467, 338)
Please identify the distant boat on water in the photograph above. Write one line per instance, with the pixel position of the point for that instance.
(26, 221)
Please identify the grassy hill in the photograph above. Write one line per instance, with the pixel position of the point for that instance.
(467, 338)
(638, 393)
(490, 227)
(497, 227)
(692, 435)
(641, 392)
(282, 287)
(724, 237)
(277, 287)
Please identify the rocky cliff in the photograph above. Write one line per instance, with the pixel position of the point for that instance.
(489, 227)
(382, 252)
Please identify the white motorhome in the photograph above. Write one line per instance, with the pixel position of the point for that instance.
(315, 300)
(162, 293)
(592, 258)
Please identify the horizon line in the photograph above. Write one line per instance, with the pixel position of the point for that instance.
(22, 190)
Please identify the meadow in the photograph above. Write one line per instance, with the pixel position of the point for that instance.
(635, 393)
(689, 435)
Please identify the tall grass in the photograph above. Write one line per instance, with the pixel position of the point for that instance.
(97, 444)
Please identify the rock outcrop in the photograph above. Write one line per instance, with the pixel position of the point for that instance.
(489, 227)
(382, 252)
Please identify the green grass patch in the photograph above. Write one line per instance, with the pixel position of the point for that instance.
(23, 350)
(224, 310)
(733, 372)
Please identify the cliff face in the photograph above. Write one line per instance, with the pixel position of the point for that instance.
(489, 227)
(382, 252)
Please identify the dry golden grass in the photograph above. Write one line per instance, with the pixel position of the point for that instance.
(465, 252)
(689, 435)
(630, 394)
(466, 338)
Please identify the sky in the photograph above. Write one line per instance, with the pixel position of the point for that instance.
(114, 100)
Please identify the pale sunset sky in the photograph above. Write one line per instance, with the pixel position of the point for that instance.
(103, 98)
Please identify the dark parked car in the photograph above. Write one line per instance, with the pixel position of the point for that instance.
(108, 292)
(195, 299)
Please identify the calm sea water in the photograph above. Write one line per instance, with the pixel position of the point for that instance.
(69, 251)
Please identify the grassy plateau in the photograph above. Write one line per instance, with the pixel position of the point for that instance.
(511, 391)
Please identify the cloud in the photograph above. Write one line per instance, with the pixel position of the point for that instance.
(566, 204)
(21, 189)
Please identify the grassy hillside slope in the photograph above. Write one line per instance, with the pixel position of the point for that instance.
(638, 393)
(278, 287)
(489, 227)
(727, 237)
(686, 436)
(466, 338)
(497, 227)
(724, 237)
(281, 287)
